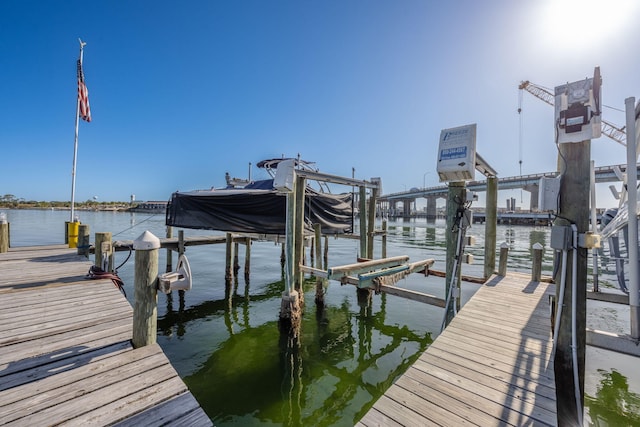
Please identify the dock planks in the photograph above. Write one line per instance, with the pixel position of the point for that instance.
(490, 367)
(65, 350)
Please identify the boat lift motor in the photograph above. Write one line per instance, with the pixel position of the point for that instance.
(285, 176)
(578, 109)
(179, 280)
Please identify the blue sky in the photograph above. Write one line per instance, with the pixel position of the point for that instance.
(182, 92)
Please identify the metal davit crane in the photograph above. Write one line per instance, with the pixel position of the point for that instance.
(614, 132)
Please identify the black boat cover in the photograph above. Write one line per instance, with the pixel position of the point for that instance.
(255, 210)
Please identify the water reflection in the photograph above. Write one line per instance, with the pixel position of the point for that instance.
(430, 235)
(292, 385)
(344, 357)
(537, 236)
(510, 237)
(176, 320)
(613, 404)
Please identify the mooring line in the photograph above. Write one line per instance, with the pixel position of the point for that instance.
(133, 226)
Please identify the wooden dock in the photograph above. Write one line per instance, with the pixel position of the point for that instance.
(490, 367)
(66, 355)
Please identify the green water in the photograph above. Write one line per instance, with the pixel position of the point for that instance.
(344, 358)
(613, 404)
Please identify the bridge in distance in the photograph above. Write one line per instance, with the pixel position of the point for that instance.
(530, 183)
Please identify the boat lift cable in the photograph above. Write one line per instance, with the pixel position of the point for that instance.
(520, 132)
(135, 225)
(614, 108)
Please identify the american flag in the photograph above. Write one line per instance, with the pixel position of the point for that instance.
(83, 95)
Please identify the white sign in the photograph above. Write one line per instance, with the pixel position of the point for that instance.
(457, 154)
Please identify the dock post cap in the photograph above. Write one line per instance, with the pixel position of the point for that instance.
(146, 241)
(537, 246)
(504, 245)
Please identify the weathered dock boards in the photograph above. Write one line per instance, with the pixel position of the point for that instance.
(491, 366)
(65, 350)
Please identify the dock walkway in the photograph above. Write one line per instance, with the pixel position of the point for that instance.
(66, 355)
(491, 366)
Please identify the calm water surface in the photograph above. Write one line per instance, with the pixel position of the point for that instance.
(226, 345)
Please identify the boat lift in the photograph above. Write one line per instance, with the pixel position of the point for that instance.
(380, 275)
(374, 274)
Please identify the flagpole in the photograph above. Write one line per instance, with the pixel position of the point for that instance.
(75, 146)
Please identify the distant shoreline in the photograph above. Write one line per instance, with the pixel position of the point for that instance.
(43, 207)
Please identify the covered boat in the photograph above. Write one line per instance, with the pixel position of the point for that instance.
(257, 207)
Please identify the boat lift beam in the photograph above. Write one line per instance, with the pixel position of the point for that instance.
(335, 179)
(371, 275)
(336, 273)
(484, 167)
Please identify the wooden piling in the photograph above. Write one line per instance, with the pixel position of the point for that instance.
(83, 239)
(363, 222)
(491, 221)
(504, 254)
(536, 268)
(103, 251)
(319, 298)
(290, 313)
(298, 236)
(384, 239)
(574, 160)
(236, 259)
(290, 304)
(4, 236)
(288, 245)
(318, 245)
(455, 197)
(364, 297)
(168, 268)
(371, 222)
(180, 242)
(325, 257)
(169, 263)
(145, 308)
(228, 270)
(247, 258)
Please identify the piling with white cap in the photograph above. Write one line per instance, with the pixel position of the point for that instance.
(4, 233)
(145, 308)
